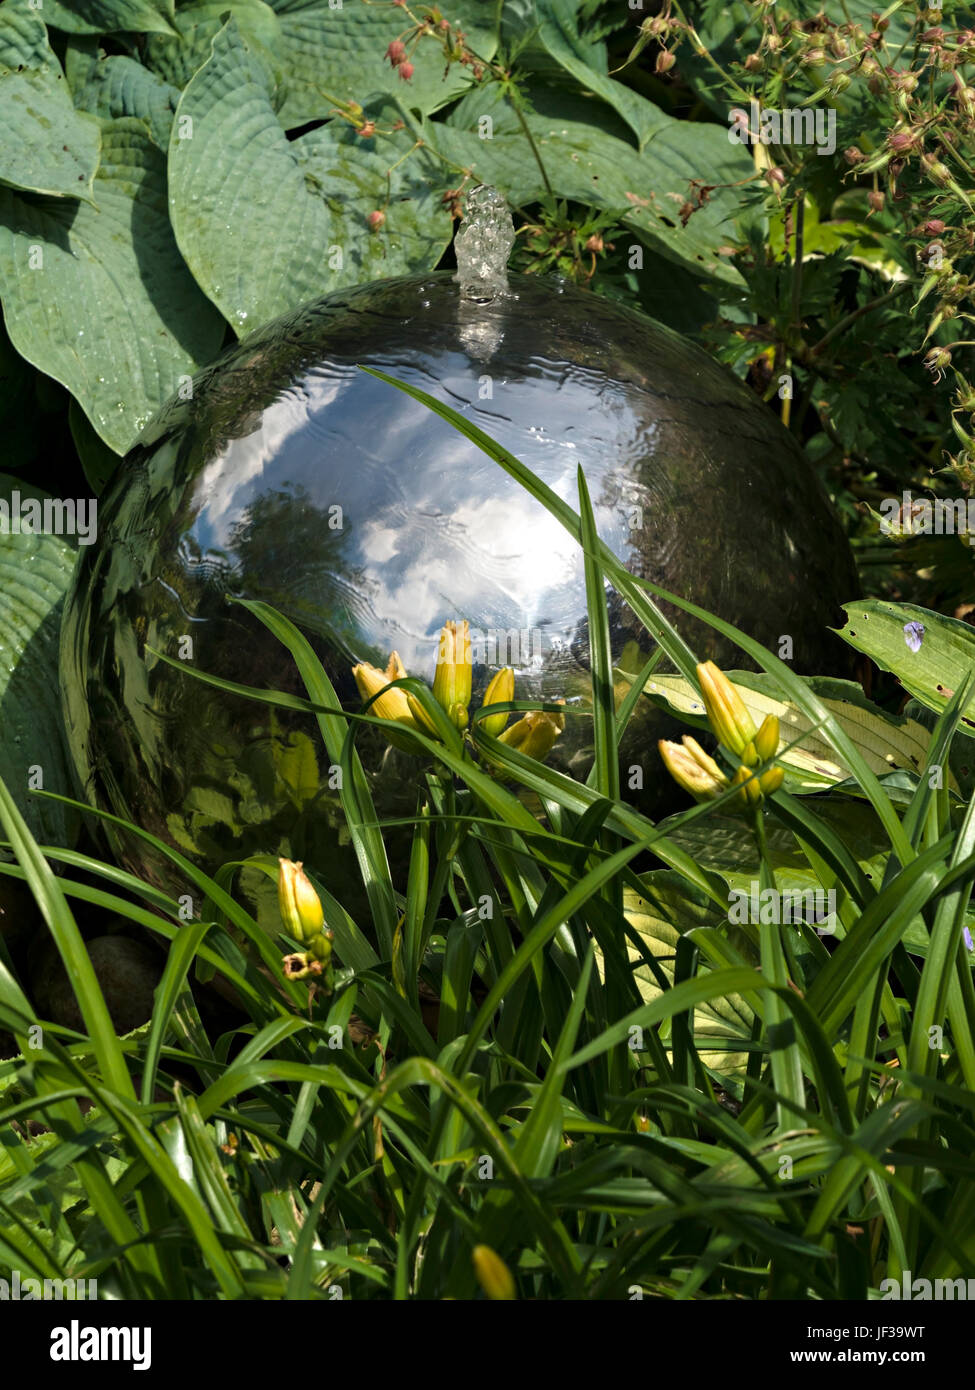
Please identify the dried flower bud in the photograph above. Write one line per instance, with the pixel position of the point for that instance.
(876, 200)
(902, 141)
(367, 130)
(595, 243)
(933, 227)
(665, 61)
(854, 155)
(753, 62)
(776, 175)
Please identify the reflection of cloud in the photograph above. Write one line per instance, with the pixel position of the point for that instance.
(231, 481)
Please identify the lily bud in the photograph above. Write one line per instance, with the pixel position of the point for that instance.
(493, 1274)
(390, 704)
(301, 907)
(726, 711)
(692, 769)
(500, 690)
(534, 734)
(767, 739)
(452, 678)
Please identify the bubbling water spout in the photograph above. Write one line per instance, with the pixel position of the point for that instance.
(484, 244)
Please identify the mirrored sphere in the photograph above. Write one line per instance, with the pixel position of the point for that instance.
(292, 476)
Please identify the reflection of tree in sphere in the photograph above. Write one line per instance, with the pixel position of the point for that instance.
(293, 477)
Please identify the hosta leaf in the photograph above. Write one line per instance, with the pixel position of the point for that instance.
(198, 23)
(887, 743)
(35, 571)
(98, 297)
(46, 145)
(667, 910)
(645, 188)
(586, 62)
(238, 183)
(726, 845)
(945, 650)
(110, 16)
(337, 53)
(116, 86)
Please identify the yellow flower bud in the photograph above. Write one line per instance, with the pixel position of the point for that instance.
(535, 733)
(493, 1274)
(726, 711)
(692, 769)
(452, 678)
(771, 780)
(301, 907)
(500, 690)
(767, 739)
(391, 704)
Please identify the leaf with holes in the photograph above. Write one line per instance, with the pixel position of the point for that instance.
(929, 654)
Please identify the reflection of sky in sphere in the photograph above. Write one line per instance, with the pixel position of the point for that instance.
(422, 547)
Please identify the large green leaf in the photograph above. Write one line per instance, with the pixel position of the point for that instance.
(337, 52)
(115, 86)
(197, 25)
(35, 570)
(888, 743)
(35, 107)
(110, 16)
(98, 297)
(888, 634)
(586, 62)
(583, 162)
(668, 909)
(239, 181)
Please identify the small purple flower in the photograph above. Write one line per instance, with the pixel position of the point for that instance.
(968, 938)
(914, 635)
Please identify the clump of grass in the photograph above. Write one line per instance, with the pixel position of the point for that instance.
(619, 1089)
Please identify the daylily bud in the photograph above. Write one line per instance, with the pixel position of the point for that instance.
(500, 690)
(767, 738)
(493, 1274)
(534, 734)
(301, 907)
(452, 678)
(726, 711)
(392, 704)
(692, 769)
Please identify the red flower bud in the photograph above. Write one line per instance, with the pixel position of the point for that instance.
(405, 71)
(376, 220)
(396, 52)
(367, 129)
